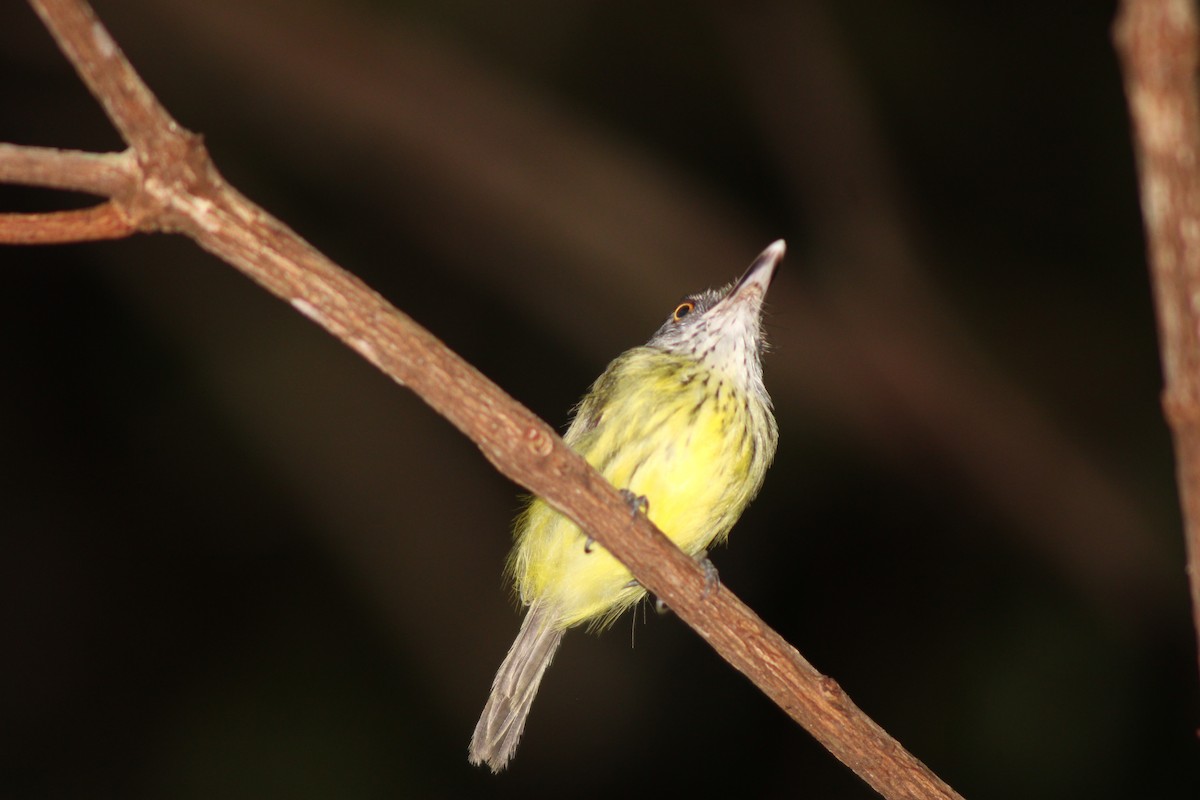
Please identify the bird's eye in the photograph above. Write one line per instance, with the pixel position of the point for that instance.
(683, 309)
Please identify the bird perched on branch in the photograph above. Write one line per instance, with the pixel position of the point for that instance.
(683, 426)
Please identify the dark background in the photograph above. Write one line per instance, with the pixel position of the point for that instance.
(235, 561)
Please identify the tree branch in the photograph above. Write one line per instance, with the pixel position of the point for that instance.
(105, 221)
(179, 189)
(133, 109)
(104, 174)
(1157, 42)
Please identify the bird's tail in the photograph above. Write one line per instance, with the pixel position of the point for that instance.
(503, 719)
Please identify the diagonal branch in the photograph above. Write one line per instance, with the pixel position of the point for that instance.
(133, 109)
(1158, 44)
(179, 189)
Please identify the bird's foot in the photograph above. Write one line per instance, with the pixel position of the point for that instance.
(637, 502)
(712, 579)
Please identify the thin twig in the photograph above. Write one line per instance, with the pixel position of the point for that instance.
(1158, 44)
(104, 174)
(104, 221)
(181, 190)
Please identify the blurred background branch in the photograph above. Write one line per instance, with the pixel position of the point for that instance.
(876, 349)
(1159, 44)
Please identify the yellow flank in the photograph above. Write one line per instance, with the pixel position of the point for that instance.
(695, 442)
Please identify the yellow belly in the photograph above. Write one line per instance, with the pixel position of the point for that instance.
(682, 437)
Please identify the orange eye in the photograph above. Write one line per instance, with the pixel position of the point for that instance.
(683, 309)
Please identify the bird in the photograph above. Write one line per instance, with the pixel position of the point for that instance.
(684, 428)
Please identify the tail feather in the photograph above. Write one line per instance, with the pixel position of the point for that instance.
(499, 728)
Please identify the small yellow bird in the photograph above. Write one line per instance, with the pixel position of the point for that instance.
(683, 426)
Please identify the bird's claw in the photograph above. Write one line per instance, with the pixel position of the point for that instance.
(712, 579)
(637, 502)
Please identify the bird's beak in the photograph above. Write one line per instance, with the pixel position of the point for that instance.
(758, 277)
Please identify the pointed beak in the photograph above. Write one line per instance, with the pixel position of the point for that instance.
(758, 277)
